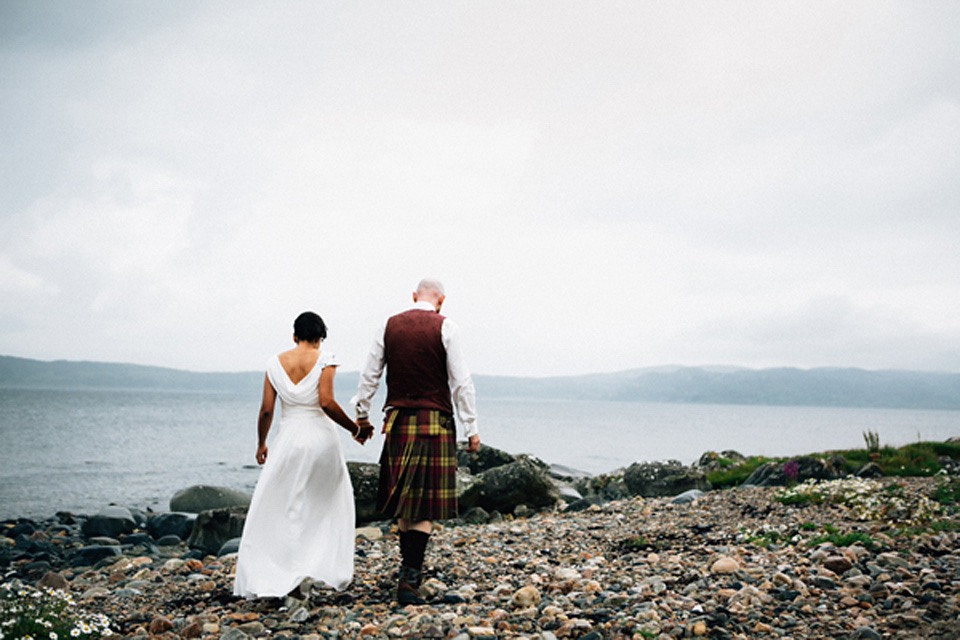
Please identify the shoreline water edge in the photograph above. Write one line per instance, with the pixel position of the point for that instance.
(802, 550)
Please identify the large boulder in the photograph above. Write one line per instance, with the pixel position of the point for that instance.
(365, 476)
(203, 497)
(110, 522)
(712, 461)
(608, 486)
(503, 488)
(670, 478)
(484, 459)
(215, 527)
(772, 474)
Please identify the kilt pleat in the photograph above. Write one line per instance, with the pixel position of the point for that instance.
(418, 466)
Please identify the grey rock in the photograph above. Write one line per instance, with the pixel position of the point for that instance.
(568, 494)
(91, 555)
(111, 522)
(502, 488)
(475, 515)
(214, 528)
(465, 482)
(483, 460)
(233, 633)
(563, 472)
(585, 503)
(175, 523)
(670, 478)
(687, 496)
(201, 497)
(824, 582)
(893, 559)
(608, 485)
(230, 546)
(866, 633)
(138, 516)
(169, 541)
(712, 461)
(365, 477)
(772, 473)
(870, 470)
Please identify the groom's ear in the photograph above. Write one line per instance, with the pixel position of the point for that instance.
(414, 296)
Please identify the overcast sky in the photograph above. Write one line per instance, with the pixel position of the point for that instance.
(600, 185)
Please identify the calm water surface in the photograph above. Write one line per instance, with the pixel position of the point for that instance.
(80, 450)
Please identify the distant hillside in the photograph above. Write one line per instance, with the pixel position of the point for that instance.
(827, 387)
(21, 372)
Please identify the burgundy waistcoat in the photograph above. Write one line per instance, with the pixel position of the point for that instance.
(416, 361)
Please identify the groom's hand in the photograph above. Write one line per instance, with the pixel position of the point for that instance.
(473, 444)
(366, 430)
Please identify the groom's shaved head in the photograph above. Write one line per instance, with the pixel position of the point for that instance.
(430, 285)
(431, 291)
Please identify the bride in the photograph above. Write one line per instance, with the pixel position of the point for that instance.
(300, 523)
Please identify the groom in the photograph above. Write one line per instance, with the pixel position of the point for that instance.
(426, 376)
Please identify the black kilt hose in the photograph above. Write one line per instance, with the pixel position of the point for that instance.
(418, 466)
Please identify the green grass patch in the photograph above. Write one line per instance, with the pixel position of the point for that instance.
(846, 540)
(937, 526)
(766, 539)
(947, 491)
(734, 474)
(916, 459)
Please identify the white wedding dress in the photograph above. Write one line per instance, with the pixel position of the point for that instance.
(301, 520)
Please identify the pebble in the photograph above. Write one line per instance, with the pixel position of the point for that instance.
(556, 575)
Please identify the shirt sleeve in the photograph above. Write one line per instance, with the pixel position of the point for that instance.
(369, 378)
(461, 384)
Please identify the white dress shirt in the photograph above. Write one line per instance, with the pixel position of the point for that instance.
(458, 376)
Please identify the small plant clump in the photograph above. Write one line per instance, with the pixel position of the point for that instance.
(846, 540)
(732, 476)
(947, 491)
(866, 499)
(44, 614)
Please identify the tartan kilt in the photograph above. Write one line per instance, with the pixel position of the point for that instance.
(418, 466)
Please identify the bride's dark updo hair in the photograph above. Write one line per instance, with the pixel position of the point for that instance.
(309, 327)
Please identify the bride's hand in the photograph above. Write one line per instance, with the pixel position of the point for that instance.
(364, 431)
(261, 454)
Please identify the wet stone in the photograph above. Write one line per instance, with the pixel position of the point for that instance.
(626, 568)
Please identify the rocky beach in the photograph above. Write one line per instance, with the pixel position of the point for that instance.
(866, 558)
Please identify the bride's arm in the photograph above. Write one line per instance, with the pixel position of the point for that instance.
(265, 418)
(330, 406)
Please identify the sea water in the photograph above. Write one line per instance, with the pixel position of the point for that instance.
(79, 450)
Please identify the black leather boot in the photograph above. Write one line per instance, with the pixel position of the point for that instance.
(408, 587)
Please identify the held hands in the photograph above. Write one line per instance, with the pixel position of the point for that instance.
(364, 431)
